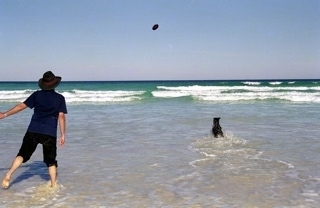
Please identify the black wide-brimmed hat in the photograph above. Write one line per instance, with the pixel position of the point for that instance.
(49, 81)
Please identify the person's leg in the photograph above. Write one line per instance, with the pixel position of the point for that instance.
(26, 150)
(15, 165)
(53, 175)
(49, 144)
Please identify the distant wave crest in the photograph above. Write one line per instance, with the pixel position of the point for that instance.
(274, 91)
(242, 93)
(79, 96)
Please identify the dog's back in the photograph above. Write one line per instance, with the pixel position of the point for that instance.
(216, 128)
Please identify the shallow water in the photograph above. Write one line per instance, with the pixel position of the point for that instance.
(161, 154)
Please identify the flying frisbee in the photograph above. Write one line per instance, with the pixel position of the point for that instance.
(155, 27)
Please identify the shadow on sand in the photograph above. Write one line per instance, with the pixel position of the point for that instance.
(35, 168)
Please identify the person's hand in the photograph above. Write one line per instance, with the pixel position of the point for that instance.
(2, 115)
(62, 141)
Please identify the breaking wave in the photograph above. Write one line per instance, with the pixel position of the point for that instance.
(204, 91)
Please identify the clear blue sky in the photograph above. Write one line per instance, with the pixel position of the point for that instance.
(196, 39)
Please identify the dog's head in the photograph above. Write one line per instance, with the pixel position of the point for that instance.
(216, 121)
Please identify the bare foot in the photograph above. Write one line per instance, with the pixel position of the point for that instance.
(6, 182)
(53, 185)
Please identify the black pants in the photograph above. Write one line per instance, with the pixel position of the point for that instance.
(49, 146)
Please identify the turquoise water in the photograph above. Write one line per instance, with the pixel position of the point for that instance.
(148, 144)
(144, 91)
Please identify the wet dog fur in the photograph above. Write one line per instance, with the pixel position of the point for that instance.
(216, 128)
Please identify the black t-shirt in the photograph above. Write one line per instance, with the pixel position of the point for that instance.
(47, 105)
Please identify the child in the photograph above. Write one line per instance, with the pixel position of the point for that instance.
(49, 110)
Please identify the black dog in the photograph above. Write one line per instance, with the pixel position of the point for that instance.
(216, 128)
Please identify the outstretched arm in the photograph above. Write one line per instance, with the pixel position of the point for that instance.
(62, 125)
(19, 107)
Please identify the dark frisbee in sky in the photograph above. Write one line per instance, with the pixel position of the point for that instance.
(154, 27)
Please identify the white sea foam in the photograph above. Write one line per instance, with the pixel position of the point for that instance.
(240, 93)
(251, 83)
(249, 92)
(275, 83)
(102, 96)
(14, 95)
(76, 96)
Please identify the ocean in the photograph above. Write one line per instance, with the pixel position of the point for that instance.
(149, 144)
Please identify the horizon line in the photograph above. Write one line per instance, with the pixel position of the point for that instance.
(180, 80)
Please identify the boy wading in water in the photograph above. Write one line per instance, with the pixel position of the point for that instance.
(49, 110)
